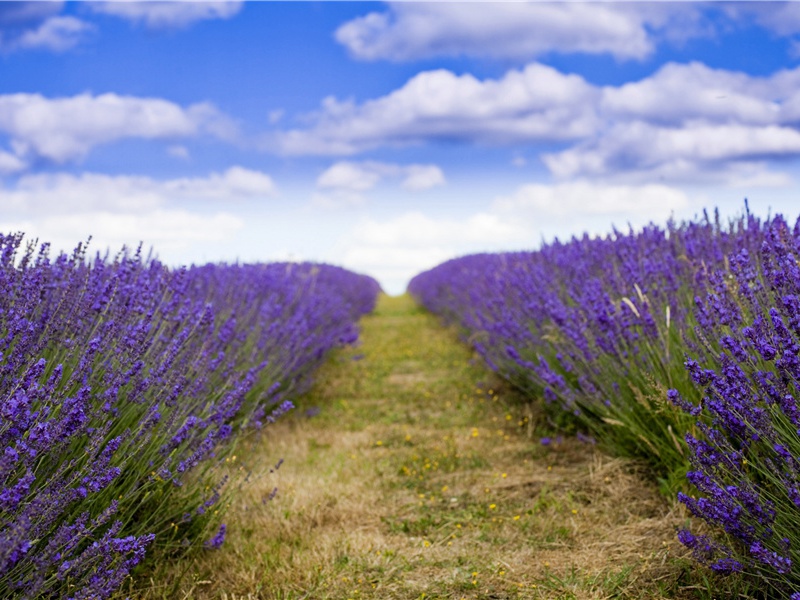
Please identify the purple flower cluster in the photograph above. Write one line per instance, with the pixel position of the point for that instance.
(746, 448)
(119, 376)
(594, 326)
(680, 346)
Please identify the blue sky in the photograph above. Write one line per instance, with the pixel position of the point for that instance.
(388, 137)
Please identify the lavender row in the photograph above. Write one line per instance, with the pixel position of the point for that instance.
(595, 326)
(678, 346)
(123, 385)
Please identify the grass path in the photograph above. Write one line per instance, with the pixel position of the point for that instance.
(409, 472)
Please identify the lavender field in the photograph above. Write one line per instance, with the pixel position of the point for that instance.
(123, 387)
(127, 385)
(402, 300)
(677, 346)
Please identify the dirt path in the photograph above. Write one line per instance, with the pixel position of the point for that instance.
(408, 474)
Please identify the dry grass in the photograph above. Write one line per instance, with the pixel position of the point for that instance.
(417, 480)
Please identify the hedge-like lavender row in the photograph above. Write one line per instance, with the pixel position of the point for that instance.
(678, 346)
(123, 383)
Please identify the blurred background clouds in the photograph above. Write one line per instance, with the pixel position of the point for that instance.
(388, 137)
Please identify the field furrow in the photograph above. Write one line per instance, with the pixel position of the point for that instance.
(408, 472)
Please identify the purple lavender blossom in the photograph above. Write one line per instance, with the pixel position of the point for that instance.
(118, 376)
(600, 328)
(218, 539)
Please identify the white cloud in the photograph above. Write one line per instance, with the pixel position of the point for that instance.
(38, 25)
(532, 104)
(516, 30)
(174, 14)
(178, 151)
(393, 267)
(174, 216)
(396, 249)
(57, 34)
(349, 176)
(753, 174)
(582, 199)
(66, 129)
(679, 93)
(782, 18)
(415, 229)
(691, 123)
(345, 182)
(235, 183)
(422, 177)
(65, 193)
(685, 122)
(10, 164)
(164, 230)
(363, 176)
(337, 199)
(695, 152)
(688, 122)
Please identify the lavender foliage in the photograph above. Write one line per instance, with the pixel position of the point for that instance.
(122, 385)
(746, 452)
(680, 346)
(595, 327)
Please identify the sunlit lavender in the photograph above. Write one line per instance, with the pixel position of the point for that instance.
(122, 385)
(678, 346)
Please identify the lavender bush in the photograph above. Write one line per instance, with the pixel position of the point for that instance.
(595, 326)
(680, 346)
(745, 455)
(123, 384)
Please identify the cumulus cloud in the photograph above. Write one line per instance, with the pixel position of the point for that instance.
(172, 215)
(66, 129)
(363, 176)
(37, 25)
(562, 210)
(512, 30)
(10, 164)
(695, 152)
(415, 229)
(89, 192)
(422, 177)
(692, 123)
(234, 183)
(345, 182)
(782, 18)
(57, 34)
(164, 230)
(408, 31)
(679, 93)
(588, 199)
(535, 103)
(349, 176)
(685, 122)
(174, 14)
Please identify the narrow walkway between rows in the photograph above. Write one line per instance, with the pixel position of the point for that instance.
(409, 473)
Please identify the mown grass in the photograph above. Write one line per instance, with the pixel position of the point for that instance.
(409, 472)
